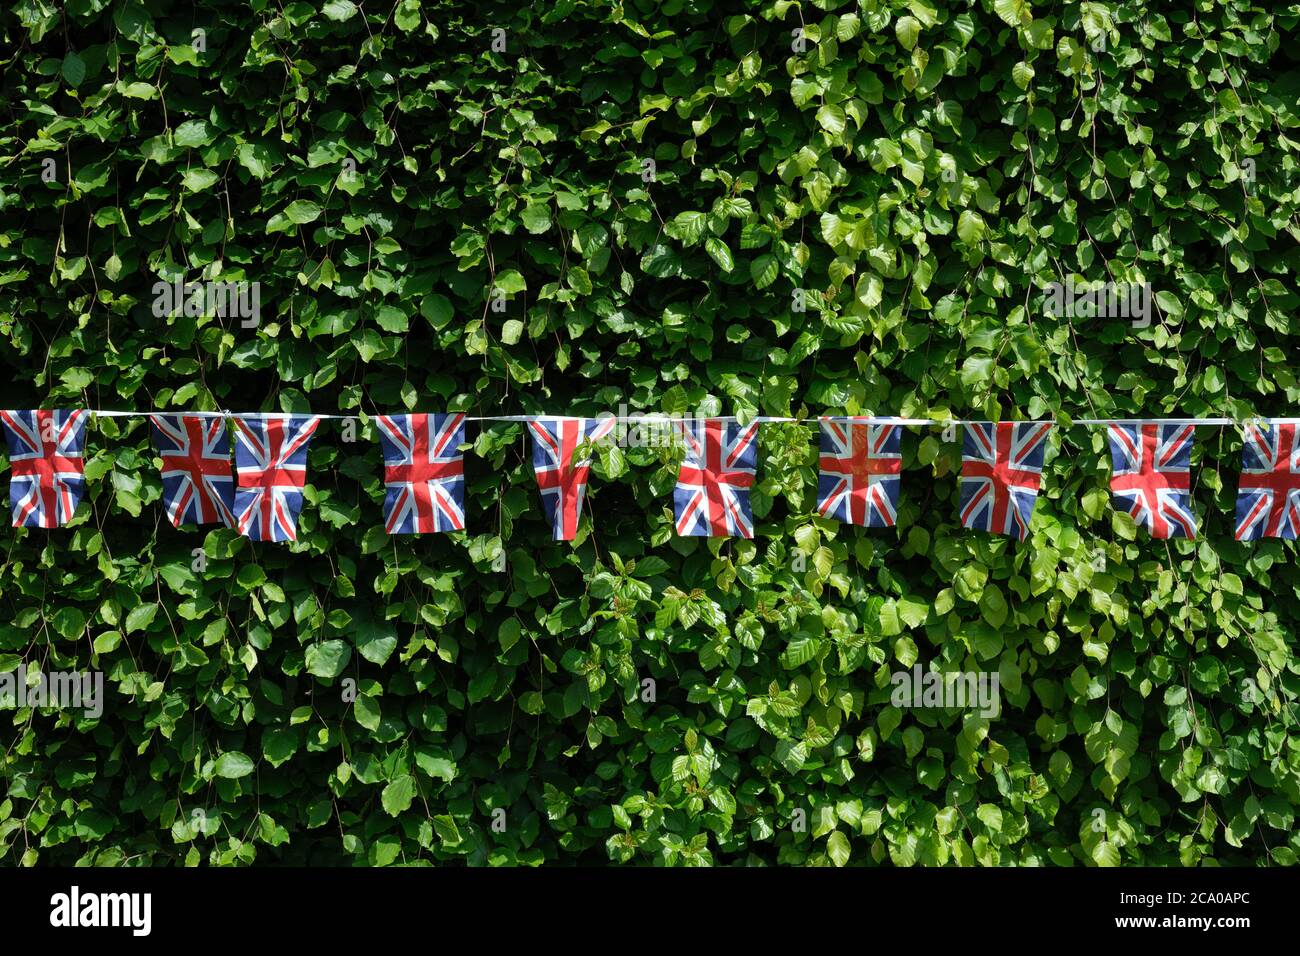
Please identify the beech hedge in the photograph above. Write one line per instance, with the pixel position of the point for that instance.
(677, 206)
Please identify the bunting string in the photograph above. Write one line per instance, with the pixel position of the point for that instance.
(638, 417)
(261, 493)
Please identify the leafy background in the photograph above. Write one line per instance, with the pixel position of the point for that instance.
(922, 171)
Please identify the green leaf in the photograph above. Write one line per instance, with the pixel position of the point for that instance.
(1023, 74)
(140, 617)
(194, 133)
(377, 641)
(398, 795)
(199, 180)
(536, 218)
(69, 621)
(1106, 853)
(510, 282)
(327, 659)
(232, 765)
(719, 253)
(339, 10)
(662, 261)
(970, 227)
(990, 816)
(302, 211)
(688, 227)
(837, 848)
(831, 119)
(907, 29)
(437, 309)
(764, 271)
(73, 69)
(509, 633)
(279, 746)
(407, 16)
(391, 319)
(256, 158)
(1013, 12)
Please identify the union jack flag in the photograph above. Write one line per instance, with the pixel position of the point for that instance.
(47, 464)
(1001, 469)
(198, 486)
(562, 480)
(424, 472)
(1268, 492)
(271, 467)
(712, 494)
(1151, 477)
(860, 466)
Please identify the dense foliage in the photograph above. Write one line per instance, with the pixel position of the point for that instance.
(625, 203)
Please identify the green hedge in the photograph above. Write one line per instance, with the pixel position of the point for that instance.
(643, 186)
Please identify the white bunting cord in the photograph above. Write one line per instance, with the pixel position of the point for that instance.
(263, 495)
(637, 417)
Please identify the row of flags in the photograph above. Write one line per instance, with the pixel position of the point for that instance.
(859, 482)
